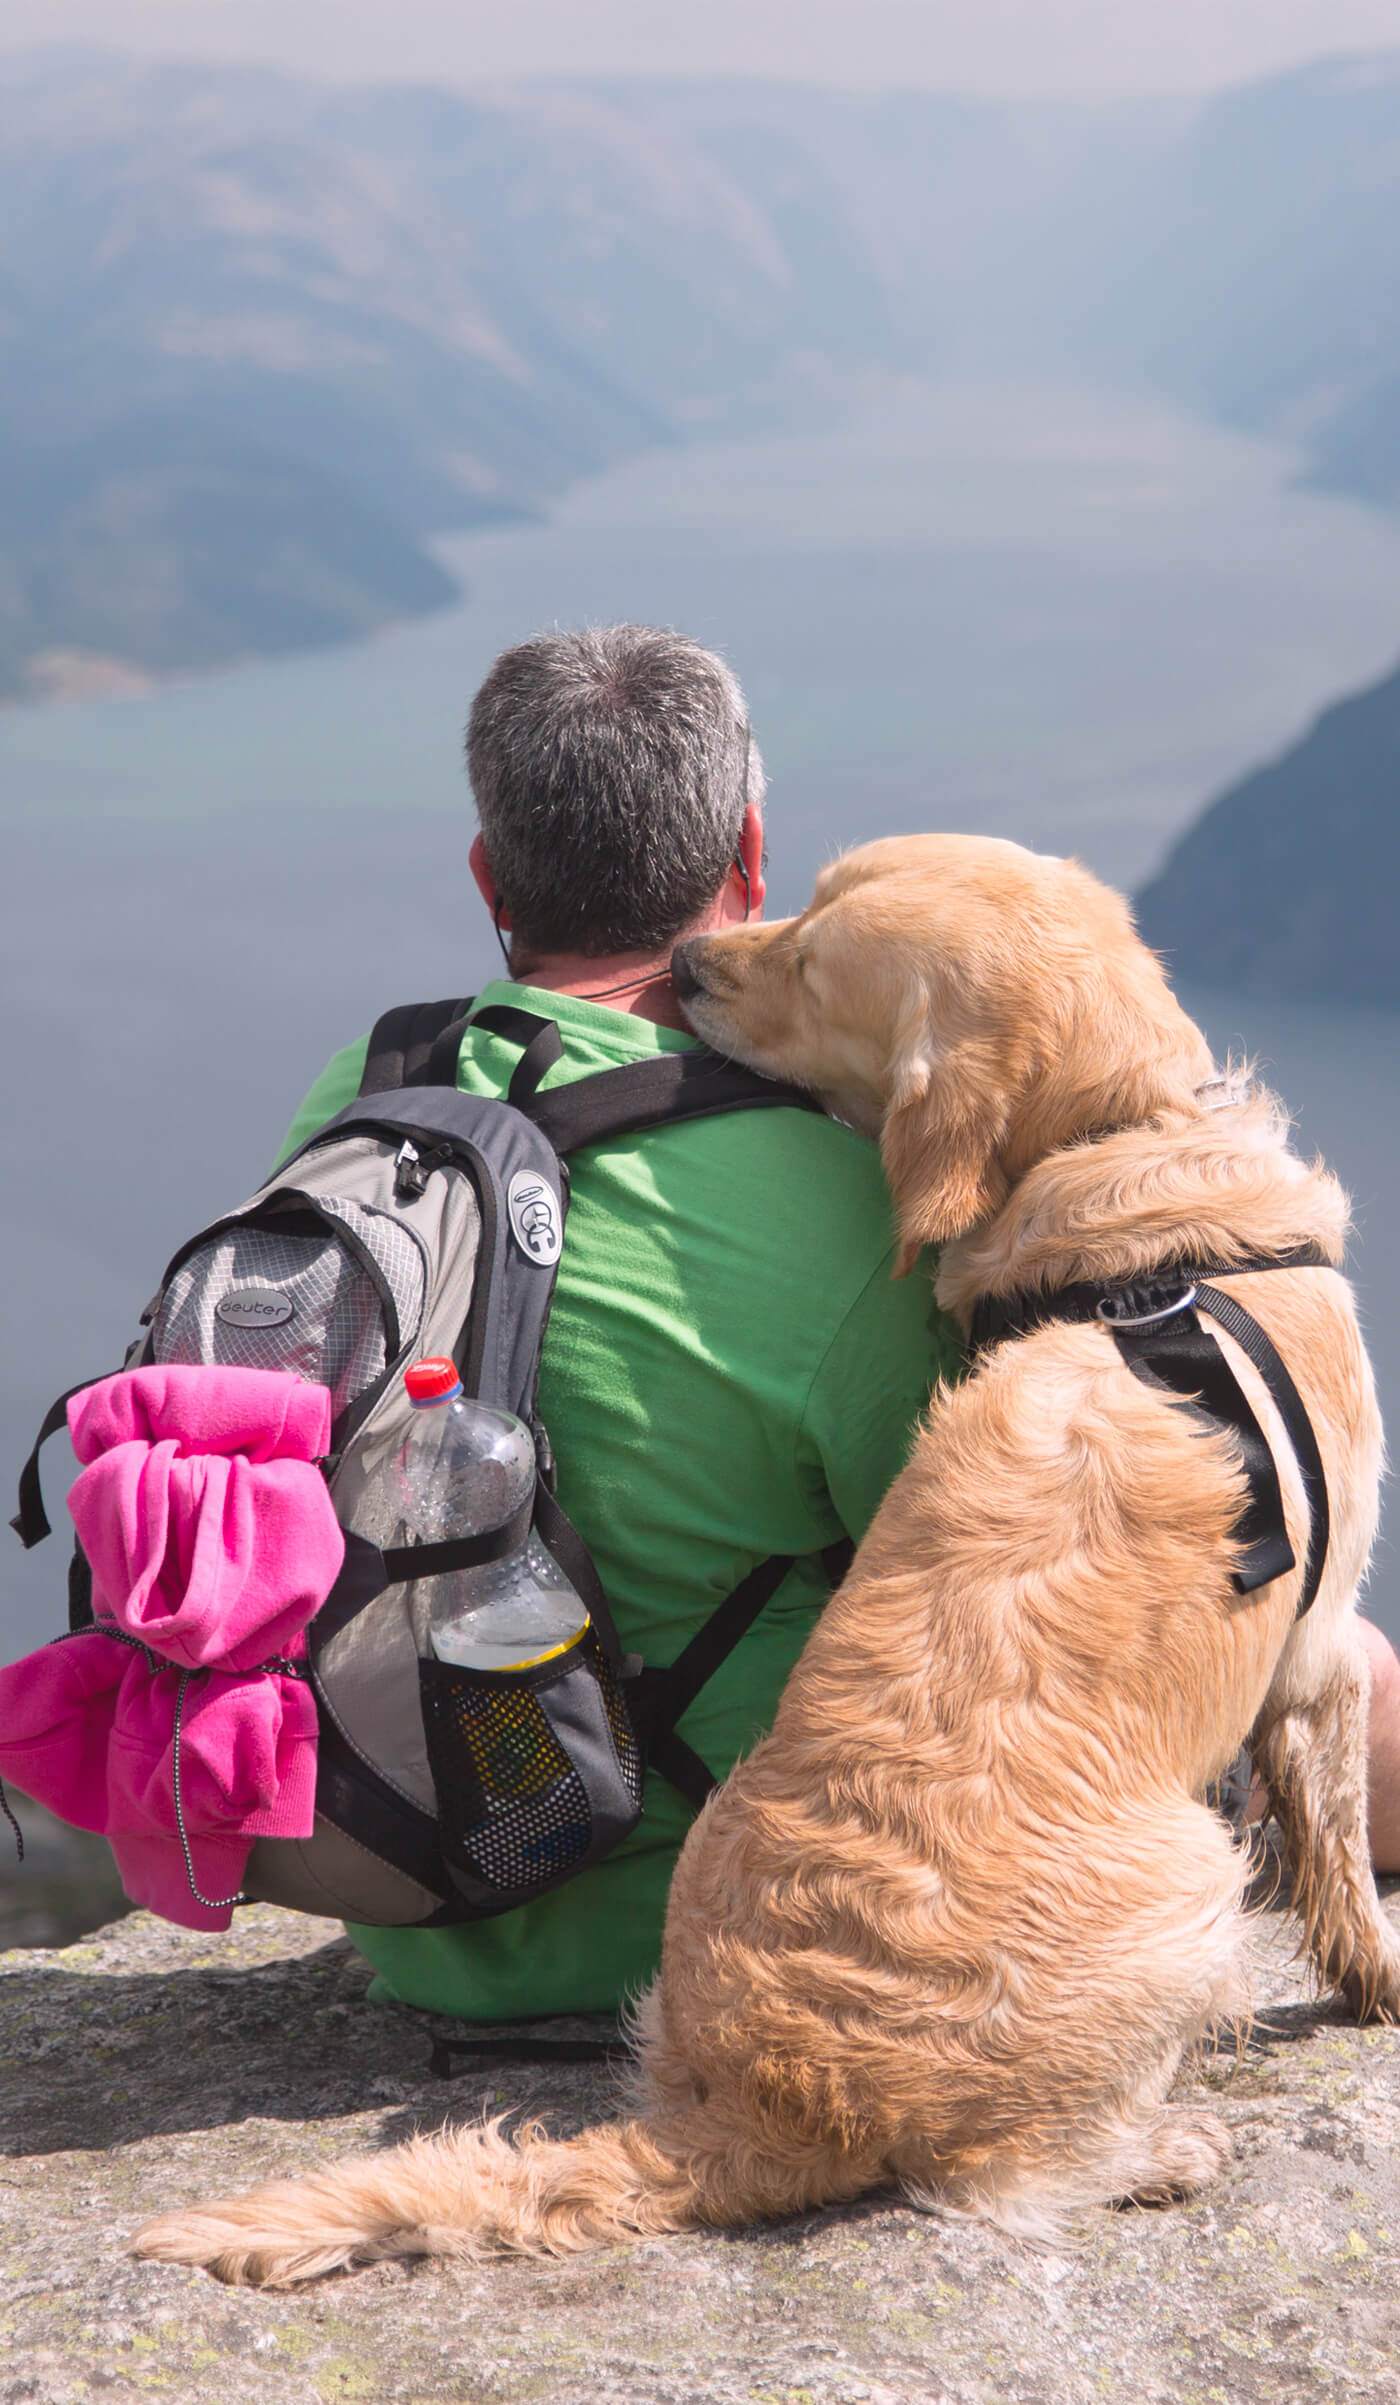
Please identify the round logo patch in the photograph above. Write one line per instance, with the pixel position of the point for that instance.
(255, 1307)
(535, 1218)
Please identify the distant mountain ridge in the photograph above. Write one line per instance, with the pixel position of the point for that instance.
(259, 338)
(1287, 884)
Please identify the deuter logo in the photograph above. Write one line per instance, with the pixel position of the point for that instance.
(534, 1218)
(255, 1307)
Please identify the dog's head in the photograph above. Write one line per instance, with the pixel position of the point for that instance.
(973, 1004)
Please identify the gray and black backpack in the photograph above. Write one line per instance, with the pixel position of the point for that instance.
(422, 1220)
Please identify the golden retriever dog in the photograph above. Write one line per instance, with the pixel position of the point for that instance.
(953, 1922)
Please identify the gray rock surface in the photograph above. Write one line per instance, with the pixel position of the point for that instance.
(149, 2065)
(63, 1885)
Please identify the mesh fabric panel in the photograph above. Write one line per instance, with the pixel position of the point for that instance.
(336, 1334)
(511, 1807)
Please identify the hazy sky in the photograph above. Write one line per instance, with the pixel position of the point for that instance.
(1072, 47)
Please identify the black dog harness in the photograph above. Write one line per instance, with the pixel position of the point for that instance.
(1155, 1323)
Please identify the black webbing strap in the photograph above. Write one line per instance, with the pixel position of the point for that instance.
(404, 1562)
(31, 1521)
(560, 1537)
(440, 1067)
(667, 1751)
(418, 1044)
(1273, 1369)
(999, 1315)
(402, 1042)
(1153, 1321)
(523, 2050)
(1183, 1358)
(543, 1046)
(657, 1699)
(661, 1092)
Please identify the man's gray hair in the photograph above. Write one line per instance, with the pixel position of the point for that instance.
(611, 769)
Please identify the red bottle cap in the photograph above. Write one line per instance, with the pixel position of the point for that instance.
(435, 1381)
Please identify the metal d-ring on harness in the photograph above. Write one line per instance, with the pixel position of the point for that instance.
(1155, 1321)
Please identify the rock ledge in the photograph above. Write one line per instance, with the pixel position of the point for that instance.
(149, 2065)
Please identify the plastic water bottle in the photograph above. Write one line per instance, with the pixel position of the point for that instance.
(465, 1471)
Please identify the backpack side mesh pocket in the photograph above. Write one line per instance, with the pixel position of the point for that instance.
(537, 1771)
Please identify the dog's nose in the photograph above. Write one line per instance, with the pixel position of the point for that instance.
(683, 976)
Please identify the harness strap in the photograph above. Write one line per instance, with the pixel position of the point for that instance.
(1274, 1371)
(999, 1315)
(1153, 1321)
(1182, 1359)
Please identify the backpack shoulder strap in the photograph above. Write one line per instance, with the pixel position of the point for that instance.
(659, 1698)
(417, 1044)
(410, 1046)
(662, 1092)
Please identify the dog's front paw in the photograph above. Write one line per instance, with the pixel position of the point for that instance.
(1185, 2151)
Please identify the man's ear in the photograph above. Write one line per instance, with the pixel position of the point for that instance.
(939, 1142)
(480, 868)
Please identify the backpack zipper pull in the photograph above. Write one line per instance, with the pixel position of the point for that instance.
(410, 1177)
(413, 1169)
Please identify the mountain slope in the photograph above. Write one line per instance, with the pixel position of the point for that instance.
(386, 313)
(364, 316)
(1287, 884)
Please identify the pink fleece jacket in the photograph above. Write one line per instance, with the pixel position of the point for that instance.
(213, 1541)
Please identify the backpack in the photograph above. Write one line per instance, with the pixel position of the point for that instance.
(422, 1220)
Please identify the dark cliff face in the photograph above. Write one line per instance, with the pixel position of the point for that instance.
(1290, 882)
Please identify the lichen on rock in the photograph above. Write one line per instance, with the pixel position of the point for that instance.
(148, 2065)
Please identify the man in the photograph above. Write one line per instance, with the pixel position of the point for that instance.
(730, 1371)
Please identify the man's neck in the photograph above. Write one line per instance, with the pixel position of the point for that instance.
(636, 982)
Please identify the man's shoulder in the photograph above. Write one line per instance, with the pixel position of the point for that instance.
(337, 1085)
(825, 1176)
(799, 1191)
(803, 1143)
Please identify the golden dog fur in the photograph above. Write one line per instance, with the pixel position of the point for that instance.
(953, 1922)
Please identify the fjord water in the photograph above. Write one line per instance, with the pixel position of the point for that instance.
(1041, 614)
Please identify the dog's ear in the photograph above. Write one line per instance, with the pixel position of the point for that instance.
(939, 1142)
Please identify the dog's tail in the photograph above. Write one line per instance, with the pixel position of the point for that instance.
(469, 2192)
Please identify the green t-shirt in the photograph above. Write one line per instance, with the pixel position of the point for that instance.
(729, 1372)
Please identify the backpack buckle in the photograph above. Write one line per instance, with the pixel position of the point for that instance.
(410, 1177)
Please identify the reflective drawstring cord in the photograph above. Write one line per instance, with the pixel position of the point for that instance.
(211, 1903)
(277, 1663)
